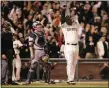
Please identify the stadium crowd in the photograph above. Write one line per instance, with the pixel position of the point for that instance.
(93, 17)
(18, 16)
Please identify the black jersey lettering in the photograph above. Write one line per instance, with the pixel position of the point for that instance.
(71, 29)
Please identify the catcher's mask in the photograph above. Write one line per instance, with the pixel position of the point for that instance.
(37, 25)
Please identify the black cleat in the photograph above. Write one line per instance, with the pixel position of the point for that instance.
(27, 83)
(14, 83)
(50, 82)
(71, 82)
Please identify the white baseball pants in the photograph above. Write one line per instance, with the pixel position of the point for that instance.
(17, 65)
(71, 53)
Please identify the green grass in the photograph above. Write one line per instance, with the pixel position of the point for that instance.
(54, 87)
(60, 85)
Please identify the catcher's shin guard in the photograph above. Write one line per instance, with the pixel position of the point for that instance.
(29, 77)
(47, 73)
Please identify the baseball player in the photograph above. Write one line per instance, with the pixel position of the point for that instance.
(17, 61)
(38, 42)
(71, 36)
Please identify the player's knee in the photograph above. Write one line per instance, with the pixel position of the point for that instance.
(34, 65)
(69, 64)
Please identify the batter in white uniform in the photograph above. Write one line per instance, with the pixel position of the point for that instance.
(71, 36)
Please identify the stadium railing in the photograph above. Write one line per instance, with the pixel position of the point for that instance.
(84, 69)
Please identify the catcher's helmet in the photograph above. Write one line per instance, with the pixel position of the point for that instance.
(36, 23)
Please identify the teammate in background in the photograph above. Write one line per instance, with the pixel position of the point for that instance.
(17, 60)
(71, 33)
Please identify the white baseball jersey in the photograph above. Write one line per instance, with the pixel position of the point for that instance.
(71, 33)
(16, 45)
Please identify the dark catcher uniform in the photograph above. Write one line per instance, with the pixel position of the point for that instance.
(37, 40)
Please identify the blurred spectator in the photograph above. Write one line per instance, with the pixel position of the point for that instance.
(102, 48)
(88, 15)
(54, 49)
(90, 49)
(103, 30)
(87, 32)
(20, 29)
(56, 20)
(104, 20)
(105, 71)
(5, 9)
(92, 15)
(97, 22)
(29, 21)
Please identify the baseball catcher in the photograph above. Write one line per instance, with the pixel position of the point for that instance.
(37, 43)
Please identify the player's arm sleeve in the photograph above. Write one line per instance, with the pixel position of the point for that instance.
(20, 44)
(63, 28)
(80, 29)
(31, 41)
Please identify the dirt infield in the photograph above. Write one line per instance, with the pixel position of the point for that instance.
(61, 85)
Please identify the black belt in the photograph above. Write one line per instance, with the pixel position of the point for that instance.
(72, 44)
(39, 49)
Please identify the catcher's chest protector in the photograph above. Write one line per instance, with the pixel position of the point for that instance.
(39, 39)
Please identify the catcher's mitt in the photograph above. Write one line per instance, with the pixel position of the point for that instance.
(45, 58)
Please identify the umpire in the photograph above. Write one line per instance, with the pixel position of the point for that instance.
(38, 42)
(4, 70)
